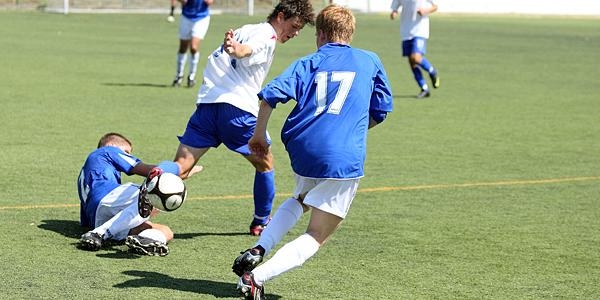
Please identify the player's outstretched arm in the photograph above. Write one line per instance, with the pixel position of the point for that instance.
(142, 169)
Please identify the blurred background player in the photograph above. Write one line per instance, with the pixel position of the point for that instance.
(227, 104)
(414, 31)
(340, 92)
(195, 19)
(171, 17)
(109, 207)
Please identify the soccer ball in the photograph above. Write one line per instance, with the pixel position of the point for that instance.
(166, 191)
(170, 19)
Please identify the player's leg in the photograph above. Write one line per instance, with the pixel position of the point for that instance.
(201, 133)
(186, 158)
(285, 218)
(115, 215)
(263, 191)
(330, 201)
(420, 47)
(408, 50)
(149, 239)
(295, 253)
(236, 128)
(185, 37)
(198, 32)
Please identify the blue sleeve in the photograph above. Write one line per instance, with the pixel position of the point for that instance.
(378, 115)
(122, 161)
(169, 167)
(381, 98)
(284, 87)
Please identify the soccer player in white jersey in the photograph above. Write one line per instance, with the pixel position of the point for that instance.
(195, 19)
(227, 101)
(414, 31)
(340, 93)
(110, 208)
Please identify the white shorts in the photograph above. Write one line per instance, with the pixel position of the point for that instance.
(189, 29)
(333, 196)
(122, 199)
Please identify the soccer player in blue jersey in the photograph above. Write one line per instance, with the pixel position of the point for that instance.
(195, 19)
(340, 93)
(414, 30)
(110, 208)
(227, 101)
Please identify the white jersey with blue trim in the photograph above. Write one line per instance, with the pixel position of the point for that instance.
(237, 81)
(335, 88)
(411, 23)
(100, 174)
(195, 10)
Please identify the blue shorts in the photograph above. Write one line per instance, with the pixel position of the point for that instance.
(416, 45)
(216, 123)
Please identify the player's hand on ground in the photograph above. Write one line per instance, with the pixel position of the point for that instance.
(258, 145)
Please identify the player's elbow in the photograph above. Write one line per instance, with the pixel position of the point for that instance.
(377, 116)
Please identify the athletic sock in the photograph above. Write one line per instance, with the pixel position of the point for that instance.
(290, 256)
(194, 65)
(181, 58)
(264, 193)
(419, 78)
(154, 234)
(285, 218)
(427, 66)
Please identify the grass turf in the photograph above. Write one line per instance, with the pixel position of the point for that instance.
(486, 190)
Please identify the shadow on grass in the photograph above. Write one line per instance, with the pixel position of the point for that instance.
(138, 84)
(186, 236)
(68, 228)
(409, 97)
(200, 286)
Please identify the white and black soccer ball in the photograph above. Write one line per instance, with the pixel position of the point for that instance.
(166, 191)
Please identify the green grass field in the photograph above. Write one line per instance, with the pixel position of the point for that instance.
(489, 189)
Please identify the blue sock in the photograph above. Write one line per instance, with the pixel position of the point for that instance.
(169, 167)
(419, 78)
(426, 65)
(264, 193)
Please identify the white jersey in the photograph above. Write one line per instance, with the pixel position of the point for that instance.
(411, 23)
(238, 81)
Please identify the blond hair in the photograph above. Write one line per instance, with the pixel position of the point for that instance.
(337, 23)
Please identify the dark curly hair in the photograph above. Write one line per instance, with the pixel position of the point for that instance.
(294, 8)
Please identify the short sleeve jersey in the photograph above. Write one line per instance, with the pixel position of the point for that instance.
(100, 174)
(411, 23)
(237, 81)
(195, 10)
(335, 88)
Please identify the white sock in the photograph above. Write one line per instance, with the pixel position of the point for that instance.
(181, 58)
(284, 219)
(194, 65)
(154, 234)
(290, 256)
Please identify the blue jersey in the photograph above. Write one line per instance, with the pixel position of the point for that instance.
(100, 174)
(335, 88)
(195, 10)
